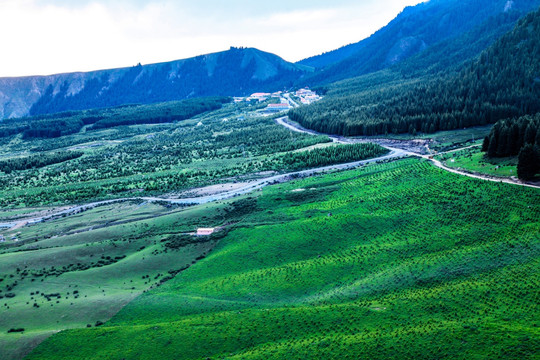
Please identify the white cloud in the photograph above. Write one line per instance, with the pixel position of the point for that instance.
(44, 37)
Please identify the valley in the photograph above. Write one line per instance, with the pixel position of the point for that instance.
(328, 264)
(45, 250)
(64, 252)
(377, 201)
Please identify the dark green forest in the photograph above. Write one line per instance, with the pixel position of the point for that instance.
(517, 137)
(332, 155)
(37, 161)
(71, 122)
(503, 83)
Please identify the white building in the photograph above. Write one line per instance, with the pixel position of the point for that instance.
(205, 231)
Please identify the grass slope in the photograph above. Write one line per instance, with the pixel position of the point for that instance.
(80, 270)
(474, 160)
(398, 260)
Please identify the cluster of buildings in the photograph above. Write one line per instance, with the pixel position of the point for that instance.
(307, 96)
(275, 108)
(260, 97)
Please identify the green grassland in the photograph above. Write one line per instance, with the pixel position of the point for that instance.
(394, 260)
(476, 161)
(79, 270)
(448, 140)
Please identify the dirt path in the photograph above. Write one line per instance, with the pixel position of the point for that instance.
(409, 148)
(397, 149)
(197, 200)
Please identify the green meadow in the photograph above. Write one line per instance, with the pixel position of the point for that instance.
(392, 260)
(78, 271)
(474, 160)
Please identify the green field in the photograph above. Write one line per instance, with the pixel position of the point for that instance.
(330, 266)
(476, 161)
(76, 271)
(396, 260)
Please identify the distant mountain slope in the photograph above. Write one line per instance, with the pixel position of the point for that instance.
(412, 32)
(504, 82)
(237, 71)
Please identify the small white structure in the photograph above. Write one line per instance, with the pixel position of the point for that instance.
(205, 231)
(2, 238)
(259, 96)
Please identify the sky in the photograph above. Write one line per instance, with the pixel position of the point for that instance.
(42, 37)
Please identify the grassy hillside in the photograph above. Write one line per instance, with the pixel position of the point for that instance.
(397, 260)
(80, 270)
(77, 270)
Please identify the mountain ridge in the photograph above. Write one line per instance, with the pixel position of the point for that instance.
(414, 30)
(433, 36)
(236, 71)
(501, 83)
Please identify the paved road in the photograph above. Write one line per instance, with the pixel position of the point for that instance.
(284, 121)
(291, 102)
(480, 176)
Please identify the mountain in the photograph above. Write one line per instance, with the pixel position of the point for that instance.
(418, 29)
(238, 71)
(502, 83)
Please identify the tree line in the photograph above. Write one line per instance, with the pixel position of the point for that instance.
(517, 137)
(184, 110)
(37, 161)
(332, 155)
(67, 123)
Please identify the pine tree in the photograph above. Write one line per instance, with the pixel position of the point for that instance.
(492, 149)
(485, 144)
(530, 134)
(502, 145)
(528, 162)
(513, 140)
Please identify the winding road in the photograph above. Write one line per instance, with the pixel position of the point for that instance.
(284, 121)
(252, 186)
(259, 184)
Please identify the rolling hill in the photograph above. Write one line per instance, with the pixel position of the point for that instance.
(238, 71)
(392, 261)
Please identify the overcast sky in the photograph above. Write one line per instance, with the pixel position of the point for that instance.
(41, 37)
